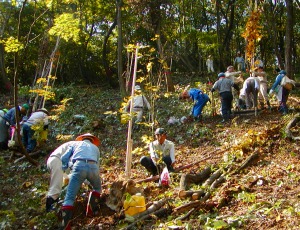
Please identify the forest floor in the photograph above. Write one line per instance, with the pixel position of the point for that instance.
(263, 195)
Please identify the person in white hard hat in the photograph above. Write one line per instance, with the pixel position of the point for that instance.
(140, 103)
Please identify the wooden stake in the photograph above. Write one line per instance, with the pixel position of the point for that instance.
(129, 139)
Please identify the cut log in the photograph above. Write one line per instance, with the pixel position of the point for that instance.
(160, 212)
(187, 179)
(154, 207)
(184, 194)
(185, 207)
(291, 124)
(213, 177)
(197, 194)
(251, 159)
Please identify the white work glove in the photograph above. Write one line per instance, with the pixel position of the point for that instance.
(271, 92)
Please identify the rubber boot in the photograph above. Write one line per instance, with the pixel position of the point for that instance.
(92, 207)
(67, 214)
(49, 203)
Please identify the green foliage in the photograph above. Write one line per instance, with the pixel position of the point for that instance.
(66, 26)
(246, 197)
(12, 45)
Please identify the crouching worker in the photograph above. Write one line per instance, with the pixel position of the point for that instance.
(54, 165)
(38, 118)
(140, 103)
(161, 150)
(199, 98)
(83, 157)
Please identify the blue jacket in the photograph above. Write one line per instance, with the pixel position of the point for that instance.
(277, 81)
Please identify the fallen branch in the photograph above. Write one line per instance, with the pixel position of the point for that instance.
(156, 213)
(212, 153)
(254, 157)
(187, 179)
(154, 209)
(186, 215)
(186, 207)
(291, 124)
(24, 157)
(154, 178)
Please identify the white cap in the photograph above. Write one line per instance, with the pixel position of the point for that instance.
(137, 87)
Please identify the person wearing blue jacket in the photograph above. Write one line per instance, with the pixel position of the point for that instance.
(199, 98)
(7, 119)
(282, 93)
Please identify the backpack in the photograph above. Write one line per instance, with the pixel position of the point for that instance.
(287, 83)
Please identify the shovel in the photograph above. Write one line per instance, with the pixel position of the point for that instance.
(11, 142)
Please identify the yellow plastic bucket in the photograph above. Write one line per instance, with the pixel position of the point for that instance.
(134, 205)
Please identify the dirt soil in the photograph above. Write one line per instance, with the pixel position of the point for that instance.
(263, 195)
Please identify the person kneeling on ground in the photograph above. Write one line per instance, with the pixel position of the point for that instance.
(40, 117)
(161, 150)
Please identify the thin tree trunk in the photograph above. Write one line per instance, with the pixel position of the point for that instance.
(289, 38)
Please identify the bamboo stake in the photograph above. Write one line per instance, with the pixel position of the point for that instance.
(129, 139)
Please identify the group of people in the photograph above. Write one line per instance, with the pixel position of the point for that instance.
(8, 122)
(81, 159)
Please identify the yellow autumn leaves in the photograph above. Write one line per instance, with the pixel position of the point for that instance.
(252, 33)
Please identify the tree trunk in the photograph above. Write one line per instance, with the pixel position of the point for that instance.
(4, 82)
(289, 39)
(120, 46)
(109, 72)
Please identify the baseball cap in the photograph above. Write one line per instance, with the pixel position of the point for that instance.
(159, 131)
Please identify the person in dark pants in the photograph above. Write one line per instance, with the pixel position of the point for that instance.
(282, 93)
(161, 150)
(224, 86)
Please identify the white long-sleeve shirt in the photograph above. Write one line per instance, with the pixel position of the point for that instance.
(157, 150)
(37, 117)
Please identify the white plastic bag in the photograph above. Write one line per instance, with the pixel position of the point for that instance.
(165, 179)
(287, 83)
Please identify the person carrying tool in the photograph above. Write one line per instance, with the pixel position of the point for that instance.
(199, 98)
(161, 151)
(7, 120)
(3, 135)
(83, 157)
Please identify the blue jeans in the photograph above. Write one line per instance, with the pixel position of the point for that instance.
(283, 106)
(81, 171)
(27, 139)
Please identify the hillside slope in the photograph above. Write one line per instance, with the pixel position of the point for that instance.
(262, 195)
